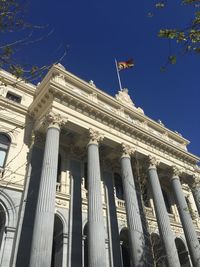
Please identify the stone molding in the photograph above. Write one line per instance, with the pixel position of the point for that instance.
(95, 137)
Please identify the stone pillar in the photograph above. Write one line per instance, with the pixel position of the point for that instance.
(96, 232)
(186, 220)
(41, 249)
(137, 248)
(166, 234)
(196, 191)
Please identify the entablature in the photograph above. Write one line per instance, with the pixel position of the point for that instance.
(69, 91)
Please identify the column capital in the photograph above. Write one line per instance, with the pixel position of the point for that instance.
(54, 120)
(127, 150)
(153, 161)
(176, 171)
(95, 137)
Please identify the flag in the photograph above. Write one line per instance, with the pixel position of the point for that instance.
(125, 64)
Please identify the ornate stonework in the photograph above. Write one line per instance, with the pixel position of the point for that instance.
(95, 136)
(124, 97)
(127, 150)
(176, 171)
(196, 181)
(54, 119)
(153, 161)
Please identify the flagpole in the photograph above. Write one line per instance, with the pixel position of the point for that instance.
(118, 76)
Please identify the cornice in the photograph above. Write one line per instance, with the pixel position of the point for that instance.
(79, 83)
(12, 106)
(61, 90)
(139, 132)
(10, 79)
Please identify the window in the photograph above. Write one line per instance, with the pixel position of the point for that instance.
(4, 147)
(13, 97)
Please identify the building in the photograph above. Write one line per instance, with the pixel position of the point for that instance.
(89, 180)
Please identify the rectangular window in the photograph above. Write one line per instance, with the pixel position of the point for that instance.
(13, 97)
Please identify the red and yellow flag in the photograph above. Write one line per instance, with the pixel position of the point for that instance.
(125, 64)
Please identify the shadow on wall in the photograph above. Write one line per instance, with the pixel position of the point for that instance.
(23, 255)
(75, 232)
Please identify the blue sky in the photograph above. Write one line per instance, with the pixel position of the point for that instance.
(98, 31)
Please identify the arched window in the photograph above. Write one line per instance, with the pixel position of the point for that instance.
(118, 186)
(182, 252)
(57, 248)
(4, 147)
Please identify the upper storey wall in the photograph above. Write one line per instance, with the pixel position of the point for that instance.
(15, 98)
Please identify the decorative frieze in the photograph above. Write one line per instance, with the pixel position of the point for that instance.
(60, 202)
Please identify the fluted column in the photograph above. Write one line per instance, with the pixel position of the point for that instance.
(41, 249)
(165, 231)
(186, 220)
(96, 232)
(137, 250)
(196, 191)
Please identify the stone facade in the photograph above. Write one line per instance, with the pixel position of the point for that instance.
(87, 179)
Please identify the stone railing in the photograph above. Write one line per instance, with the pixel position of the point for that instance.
(58, 187)
(120, 203)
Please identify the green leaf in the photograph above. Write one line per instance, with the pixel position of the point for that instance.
(172, 59)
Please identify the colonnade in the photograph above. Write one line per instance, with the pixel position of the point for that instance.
(44, 218)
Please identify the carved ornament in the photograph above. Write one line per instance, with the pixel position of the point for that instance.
(176, 171)
(153, 161)
(95, 137)
(54, 119)
(59, 78)
(127, 150)
(60, 202)
(196, 181)
(124, 97)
